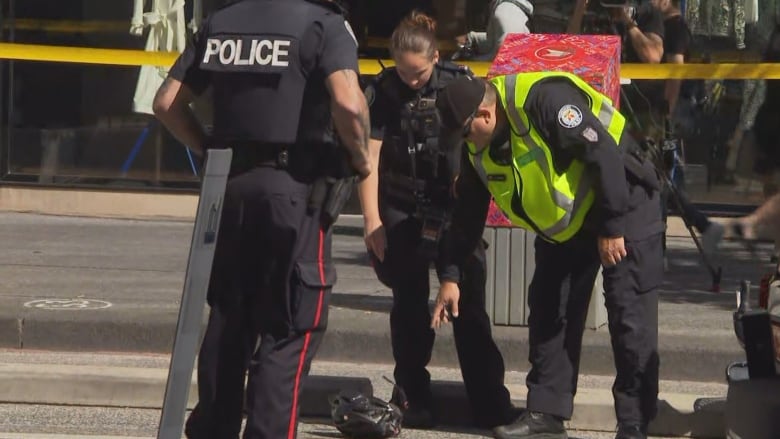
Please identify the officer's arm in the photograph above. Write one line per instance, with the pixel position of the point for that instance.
(338, 63)
(172, 101)
(350, 115)
(368, 189)
(554, 107)
(467, 224)
(171, 107)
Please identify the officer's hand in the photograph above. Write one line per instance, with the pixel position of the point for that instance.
(374, 236)
(362, 166)
(611, 250)
(448, 298)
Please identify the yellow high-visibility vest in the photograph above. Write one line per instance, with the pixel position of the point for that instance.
(552, 205)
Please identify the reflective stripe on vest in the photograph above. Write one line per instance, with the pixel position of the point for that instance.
(553, 205)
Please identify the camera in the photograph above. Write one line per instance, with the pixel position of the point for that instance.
(420, 117)
(599, 18)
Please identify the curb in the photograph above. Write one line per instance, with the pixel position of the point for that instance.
(145, 388)
(363, 337)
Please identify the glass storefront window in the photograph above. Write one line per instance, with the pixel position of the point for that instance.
(74, 124)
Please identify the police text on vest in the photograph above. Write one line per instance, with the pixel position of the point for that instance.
(261, 52)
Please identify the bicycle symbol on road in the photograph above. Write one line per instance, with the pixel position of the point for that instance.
(67, 304)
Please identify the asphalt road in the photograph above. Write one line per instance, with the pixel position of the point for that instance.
(63, 422)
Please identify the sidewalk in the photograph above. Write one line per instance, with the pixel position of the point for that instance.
(138, 381)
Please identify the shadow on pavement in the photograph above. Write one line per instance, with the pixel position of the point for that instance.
(362, 302)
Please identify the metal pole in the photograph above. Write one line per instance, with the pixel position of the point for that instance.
(189, 325)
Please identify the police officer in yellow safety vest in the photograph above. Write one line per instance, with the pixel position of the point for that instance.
(556, 157)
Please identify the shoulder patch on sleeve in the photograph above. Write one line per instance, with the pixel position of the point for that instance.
(569, 116)
(450, 66)
(590, 134)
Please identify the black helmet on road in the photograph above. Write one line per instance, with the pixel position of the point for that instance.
(365, 417)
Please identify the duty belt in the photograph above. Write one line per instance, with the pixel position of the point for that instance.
(248, 155)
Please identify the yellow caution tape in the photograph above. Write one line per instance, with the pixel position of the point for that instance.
(67, 26)
(85, 55)
(701, 71)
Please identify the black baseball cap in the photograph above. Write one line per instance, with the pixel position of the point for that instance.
(457, 103)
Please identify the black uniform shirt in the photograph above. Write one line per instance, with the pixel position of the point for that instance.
(677, 37)
(387, 95)
(621, 207)
(327, 46)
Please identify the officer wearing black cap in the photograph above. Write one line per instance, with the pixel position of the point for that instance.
(407, 207)
(283, 72)
(556, 157)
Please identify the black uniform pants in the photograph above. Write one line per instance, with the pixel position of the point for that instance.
(558, 301)
(271, 284)
(407, 272)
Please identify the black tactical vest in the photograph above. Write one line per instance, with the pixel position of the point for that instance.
(253, 52)
(411, 165)
(396, 141)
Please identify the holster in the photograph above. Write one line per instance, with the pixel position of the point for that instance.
(331, 191)
(330, 195)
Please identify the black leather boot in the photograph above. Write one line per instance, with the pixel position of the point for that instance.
(532, 425)
(631, 431)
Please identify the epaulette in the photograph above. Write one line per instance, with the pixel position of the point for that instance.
(388, 82)
(383, 74)
(458, 69)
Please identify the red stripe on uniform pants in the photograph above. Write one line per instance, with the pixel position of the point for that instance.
(307, 339)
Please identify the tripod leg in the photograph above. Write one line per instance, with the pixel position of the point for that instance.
(715, 273)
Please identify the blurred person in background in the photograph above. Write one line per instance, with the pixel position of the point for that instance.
(642, 32)
(506, 17)
(767, 157)
(677, 44)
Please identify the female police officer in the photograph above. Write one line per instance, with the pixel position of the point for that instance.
(408, 205)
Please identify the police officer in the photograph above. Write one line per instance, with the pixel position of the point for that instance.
(558, 161)
(279, 70)
(406, 209)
